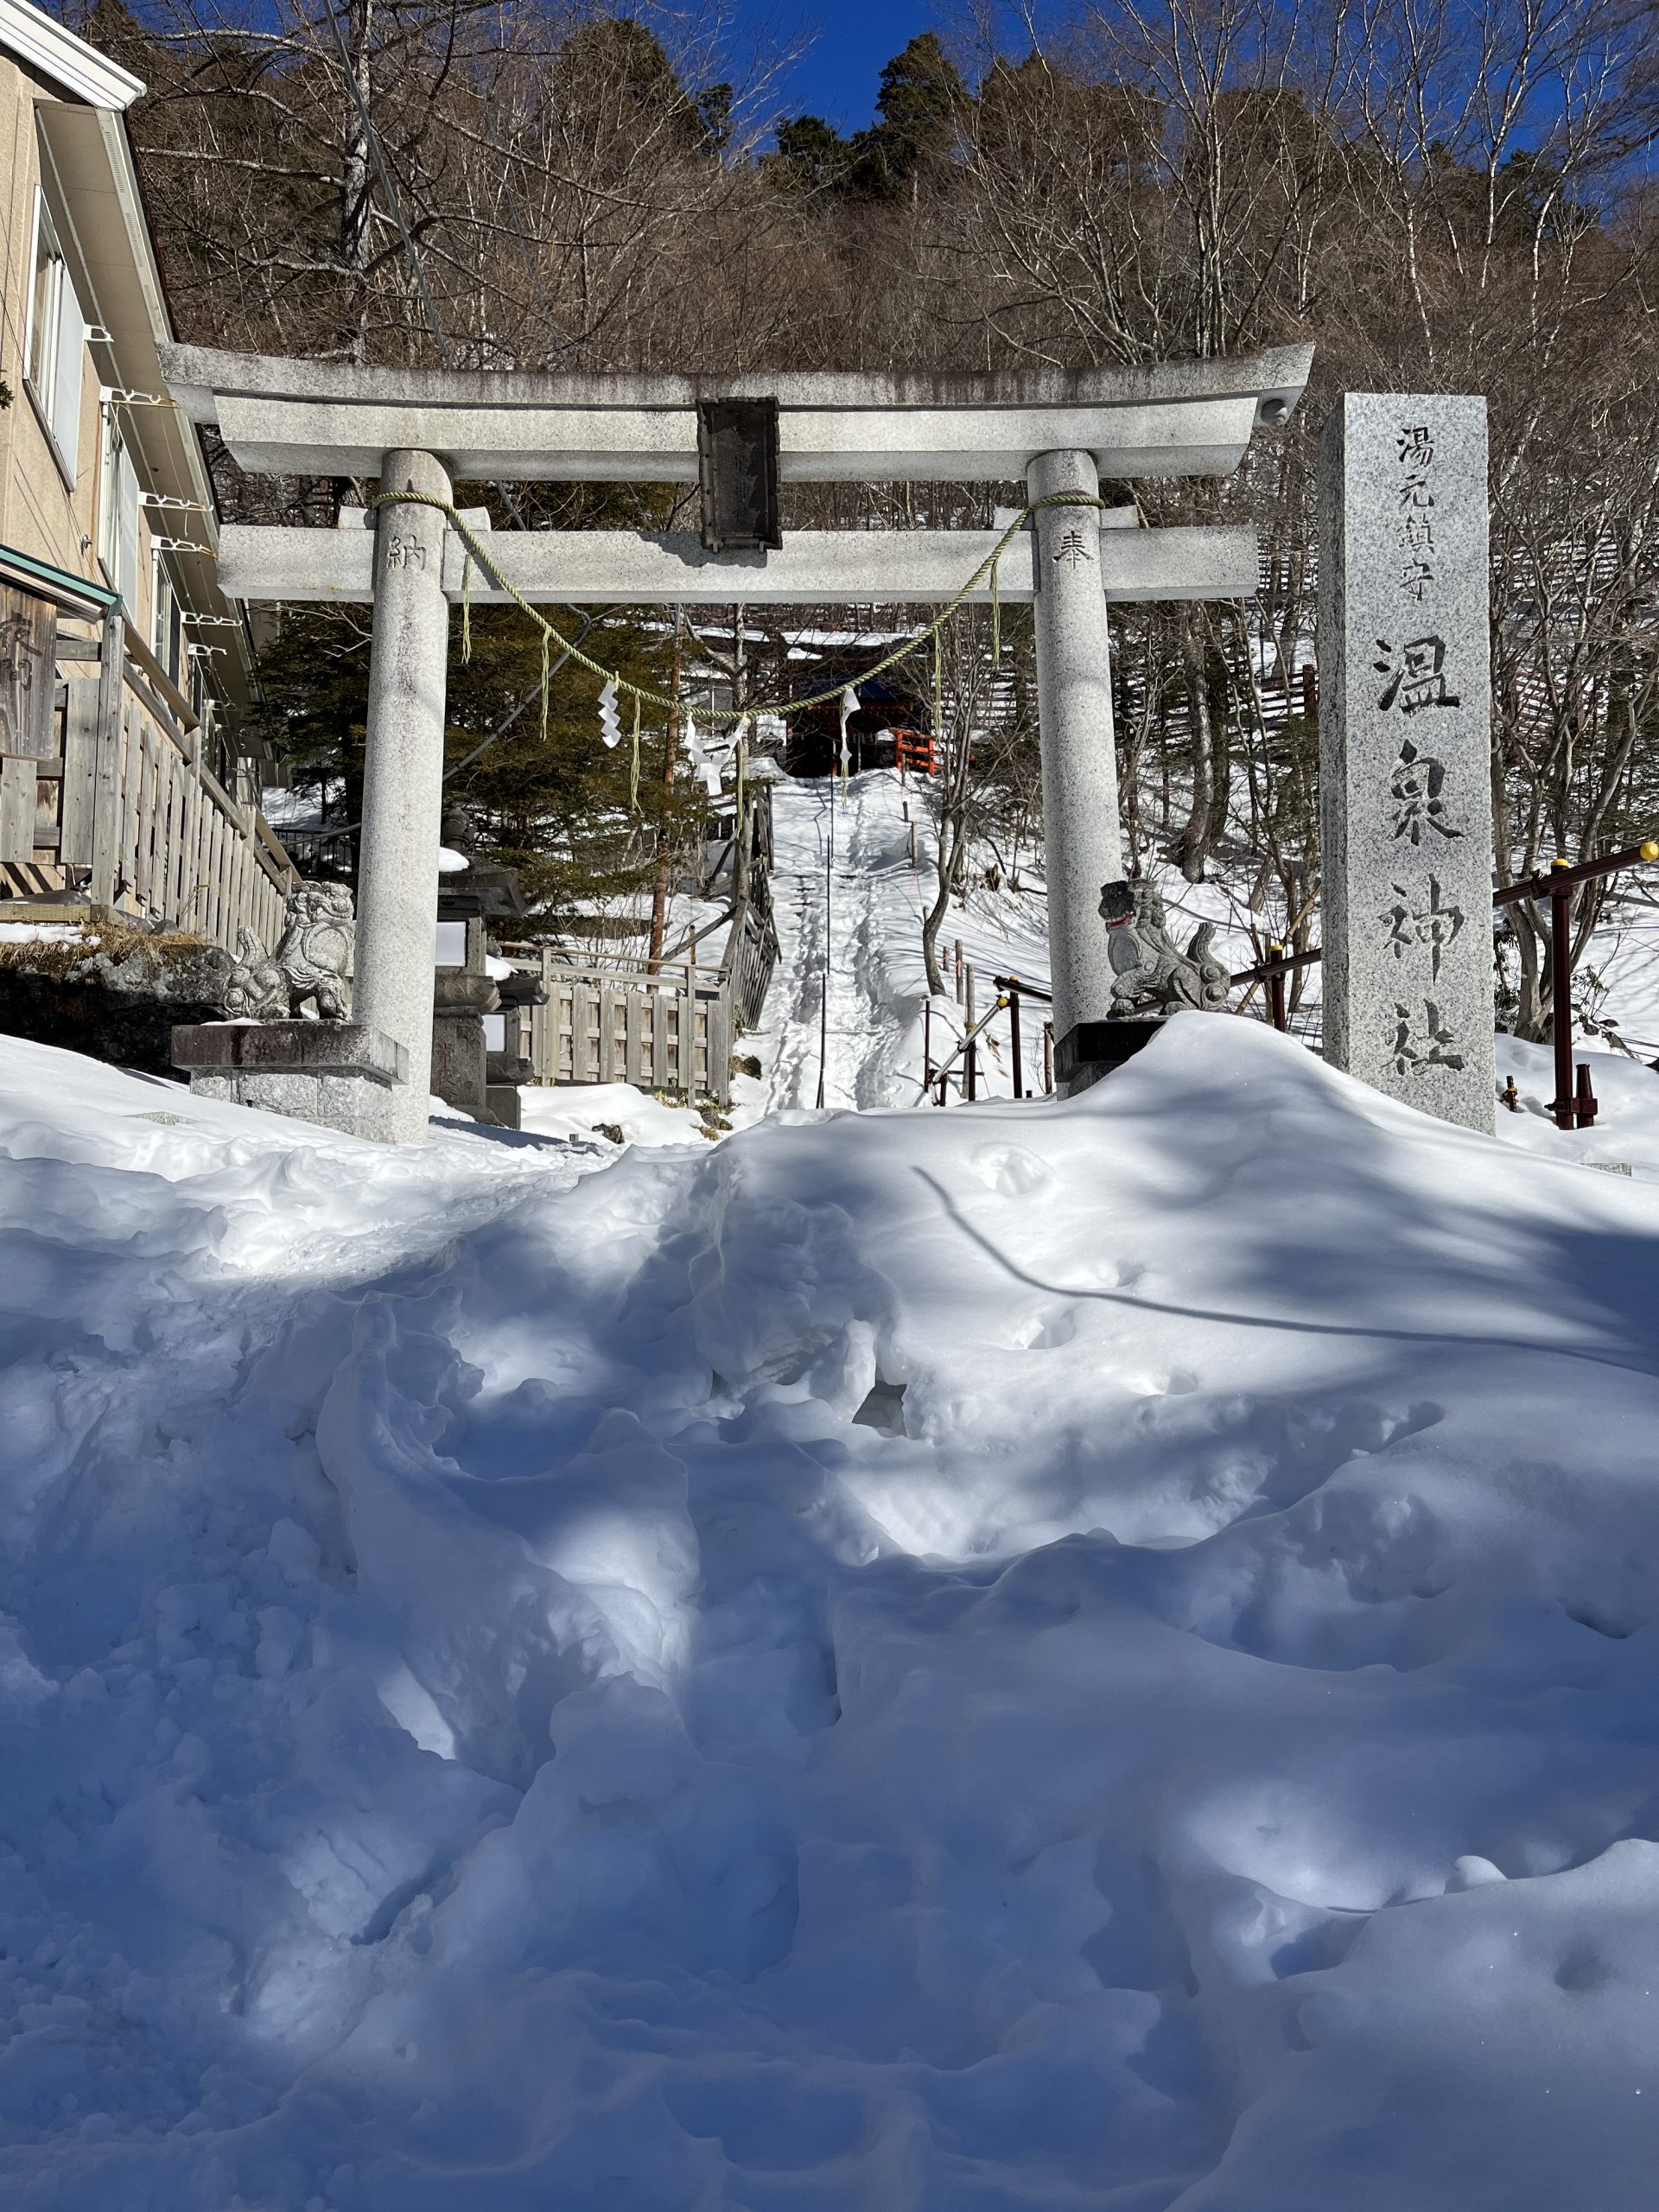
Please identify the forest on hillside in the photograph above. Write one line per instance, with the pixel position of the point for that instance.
(1442, 194)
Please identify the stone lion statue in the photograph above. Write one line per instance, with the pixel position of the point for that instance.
(1151, 974)
(311, 972)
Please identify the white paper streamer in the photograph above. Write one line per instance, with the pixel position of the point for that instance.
(610, 730)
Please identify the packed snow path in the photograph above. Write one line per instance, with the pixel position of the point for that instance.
(1096, 1655)
(873, 936)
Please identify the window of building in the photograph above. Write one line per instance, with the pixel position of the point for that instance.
(117, 517)
(167, 625)
(57, 341)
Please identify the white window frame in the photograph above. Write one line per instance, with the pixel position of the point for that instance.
(166, 624)
(55, 343)
(117, 514)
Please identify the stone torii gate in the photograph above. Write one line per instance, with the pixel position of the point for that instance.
(1058, 431)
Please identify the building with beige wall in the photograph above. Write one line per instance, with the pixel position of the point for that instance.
(126, 777)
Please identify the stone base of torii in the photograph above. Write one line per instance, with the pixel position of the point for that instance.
(1058, 432)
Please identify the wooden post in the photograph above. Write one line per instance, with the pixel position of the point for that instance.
(659, 882)
(106, 786)
(28, 678)
(686, 1035)
(1013, 1036)
(16, 809)
(80, 776)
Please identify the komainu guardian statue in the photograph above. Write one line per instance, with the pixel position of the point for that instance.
(1152, 975)
(309, 973)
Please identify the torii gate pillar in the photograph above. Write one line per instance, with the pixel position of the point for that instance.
(403, 782)
(1081, 835)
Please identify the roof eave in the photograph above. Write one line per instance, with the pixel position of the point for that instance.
(67, 63)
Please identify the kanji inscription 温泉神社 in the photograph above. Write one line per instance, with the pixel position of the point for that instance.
(1404, 733)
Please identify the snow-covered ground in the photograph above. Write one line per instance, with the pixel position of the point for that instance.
(846, 905)
(1095, 1655)
(849, 903)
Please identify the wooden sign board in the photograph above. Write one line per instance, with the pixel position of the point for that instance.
(28, 673)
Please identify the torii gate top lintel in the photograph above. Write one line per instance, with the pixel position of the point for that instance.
(1171, 418)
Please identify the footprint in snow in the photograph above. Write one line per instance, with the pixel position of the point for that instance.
(1010, 1169)
(1178, 1382)
(1046, 1332)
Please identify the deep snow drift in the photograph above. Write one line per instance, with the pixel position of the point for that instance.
(1049, 1656)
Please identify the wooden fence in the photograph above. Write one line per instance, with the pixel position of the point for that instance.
(114, 805)
(671, 1031)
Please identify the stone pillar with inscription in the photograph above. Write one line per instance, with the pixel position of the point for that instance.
(1405, 715)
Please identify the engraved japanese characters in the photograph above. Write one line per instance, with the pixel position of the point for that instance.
(1404, 721)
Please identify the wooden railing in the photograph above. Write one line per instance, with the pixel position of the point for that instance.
(674, 1030)
(667, 1032)
(123, 812)
(750, 955)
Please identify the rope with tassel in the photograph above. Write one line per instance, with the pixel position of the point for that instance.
(643, 695)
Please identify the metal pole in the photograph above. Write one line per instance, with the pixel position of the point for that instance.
(1544, 886)
(1074, 694)
(927, 1043)
(1048, 1056)
(403, 782)
(1560, 1000)
(964, 1048)
(1276, 991)
(971, 1076)
(1013, 1036)
(823, 1002)
(1584, 1102)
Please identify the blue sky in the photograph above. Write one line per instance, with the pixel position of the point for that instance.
(838, 76)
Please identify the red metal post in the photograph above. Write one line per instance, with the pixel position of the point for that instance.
(1560, 1000)
(1585, 1103)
